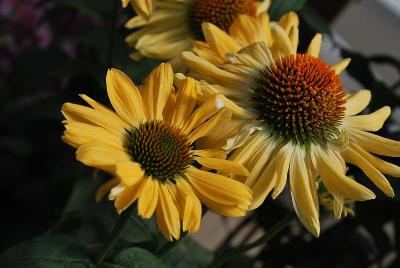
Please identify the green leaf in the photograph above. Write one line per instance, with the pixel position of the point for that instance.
(135, 258)
(188, 253)
(314, 20)
(83, 192)
(279, 8)
(47, 251)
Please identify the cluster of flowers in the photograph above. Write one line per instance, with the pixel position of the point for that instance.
(246, 113)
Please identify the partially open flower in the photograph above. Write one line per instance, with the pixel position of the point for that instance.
(149, 145)
(175, 24)
(298, 122)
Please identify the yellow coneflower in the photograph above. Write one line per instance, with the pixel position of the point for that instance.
(327, 201)
(298, 122)
(149, 145)
(175, 24)
(143, 8)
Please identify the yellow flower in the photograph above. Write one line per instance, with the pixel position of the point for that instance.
(297, 122)
(149, 145)
(142, 7)
(175, 24)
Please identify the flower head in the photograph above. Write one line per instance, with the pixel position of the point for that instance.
(297, 122)
(175, 24)
(149, 145)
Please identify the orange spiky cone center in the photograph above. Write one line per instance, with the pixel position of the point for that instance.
(301, 99)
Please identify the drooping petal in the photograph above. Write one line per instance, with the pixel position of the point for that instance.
(264, 184)
(374, 143)
(337, 183)
(167, 215)
(301, 194)
(352, 157)
(191, 207)
(282, 161)
(129, 195)
(148, 198)
(379, 164)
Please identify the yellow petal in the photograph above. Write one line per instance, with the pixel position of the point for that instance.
(289, 21)
(202, 113)
(218, 188)
(105, 188)
(374, 143)
(210, 153)
(129, 172)
(339, 184)
(143, 7)
(294, 38)
(77, 133)
(282, 161)
(101, 156)
(128, 196)
(223, 165)
(341, 65)
(247, 29)
(167, 215)
(301, 194)
(185, 102)
(125, 3)
(103, 118)
(125, 97)
(192, 207)
(207, 127)
(315, 46)
(379, 164)
(264, 184)
(148, 198)
(370, 122)
(157, 88)
(352, 157)
(338, 207)
(281, 40)
(207, 69)
(357, 102)
(218, 39)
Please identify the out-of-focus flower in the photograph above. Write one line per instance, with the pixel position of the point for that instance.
(297, 122)
(175, 24)
(142, 7)
(329, 203)
(149, 145)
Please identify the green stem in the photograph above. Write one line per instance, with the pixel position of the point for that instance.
(164, 249)
(116, 232)
(282, 224)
